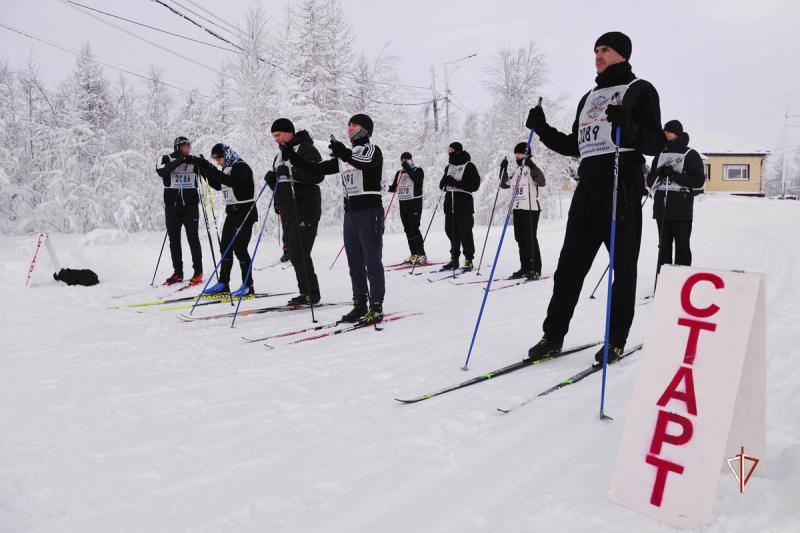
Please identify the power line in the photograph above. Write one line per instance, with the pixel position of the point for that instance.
(231, 26)
(151, 27)
(120, 28)
(68, 50)
(276, 65)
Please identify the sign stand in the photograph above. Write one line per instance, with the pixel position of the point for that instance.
(42, 238)
(699, 396)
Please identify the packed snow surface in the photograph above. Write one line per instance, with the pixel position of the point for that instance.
(129, 420)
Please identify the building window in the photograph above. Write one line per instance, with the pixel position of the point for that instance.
(736, 172)
(707, 171)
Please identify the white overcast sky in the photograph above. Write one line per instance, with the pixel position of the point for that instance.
(723, 68)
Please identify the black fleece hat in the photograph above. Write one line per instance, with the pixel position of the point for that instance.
(283, 125)
(456, 146)
(674, 126)
(405, 155)
(362, 120)
(618, 41)
(521, 148)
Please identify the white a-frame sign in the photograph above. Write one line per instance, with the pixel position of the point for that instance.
(699, 395)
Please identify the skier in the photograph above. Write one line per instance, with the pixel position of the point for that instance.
(181, 208)
(407, 184)
(526, 210)
(235, 180)
(460, 180)
(618, 100)
(676, 174)
(361, 170)
(299, 204)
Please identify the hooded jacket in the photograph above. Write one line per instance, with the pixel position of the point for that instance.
(681, 184)
(643, 136)
(306, 182)
(458, 198)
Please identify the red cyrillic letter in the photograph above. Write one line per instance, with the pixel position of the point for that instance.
(663, 468)
(695, 326)
(660, 435)
(686, 294)
(684, 374)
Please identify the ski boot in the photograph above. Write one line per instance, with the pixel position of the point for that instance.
(534, 276)
(176, 277)
(355, 314)
(519, 274)
(197, 278)
(409, 260)
(285, 257)
(374, 315)
(217, 289)
(452, 265)
(543, 349)
(467, 265)
(244, 290)
(614, 351)
(421, 260)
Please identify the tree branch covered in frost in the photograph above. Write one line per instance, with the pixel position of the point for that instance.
(82, 155)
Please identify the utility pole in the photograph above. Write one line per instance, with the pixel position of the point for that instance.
(446, 100)
(783, 163)
(435, 103)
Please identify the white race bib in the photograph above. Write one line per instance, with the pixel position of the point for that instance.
(405, 187)
(676, 161)
(353, 180)
(279, 162)
(526, 193)
(228, 197)
(594, 130)
(183, 178)
(457, 173)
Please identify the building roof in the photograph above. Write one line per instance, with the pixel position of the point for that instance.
(737, 153)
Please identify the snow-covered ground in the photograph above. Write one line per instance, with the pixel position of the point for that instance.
(132, 421)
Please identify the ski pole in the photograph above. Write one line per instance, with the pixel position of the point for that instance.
(303, 259)
(491, 219)
(530, 213)
(155, 272)
(230, 244)
(203, 198)
(611, 249)
(386, 214)
(661, 236)
(453, 230)
(599, 281)
(435, 208)
(494, 264)
(252, 259)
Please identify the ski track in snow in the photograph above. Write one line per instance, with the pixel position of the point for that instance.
(130, 420)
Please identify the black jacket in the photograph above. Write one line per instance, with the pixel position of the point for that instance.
(417, 176)
(309, 200)
(470, 181)
(679, 187)
(240, 180)
(644, 135)
(176, 197)
(367, 158)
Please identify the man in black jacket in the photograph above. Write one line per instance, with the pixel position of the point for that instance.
(181, 201)
(298, 201)
(361, 170)
(619, 100)
(460, 180)
(407, 184)
(526, 178)
(235, 180)
(676, 175)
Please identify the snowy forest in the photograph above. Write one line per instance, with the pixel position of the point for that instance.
(82, 154)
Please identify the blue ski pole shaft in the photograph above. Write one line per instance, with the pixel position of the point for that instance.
(494, 266)
(230, 245)
(611, 249)
(252, 260)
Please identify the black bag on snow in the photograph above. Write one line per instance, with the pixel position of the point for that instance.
(72, 276)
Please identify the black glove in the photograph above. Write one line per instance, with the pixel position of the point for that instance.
(270, 177)
(340, 150)
(286, 152)
(164, 160)
(665, 171)
(617, 115)
(536, 119)
(443, 183)
(282, 170)
(201, 163)
(406, 167)
(528, 162)
(680, 179)
(451, 181)
(503, 165)
(393, 187)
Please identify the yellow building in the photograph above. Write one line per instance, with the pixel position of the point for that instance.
(734, 172)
